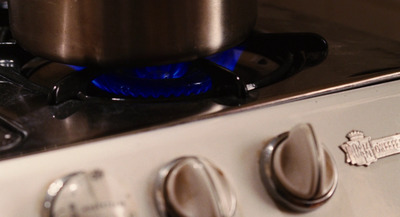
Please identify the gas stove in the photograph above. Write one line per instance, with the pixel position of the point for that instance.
(276, 128)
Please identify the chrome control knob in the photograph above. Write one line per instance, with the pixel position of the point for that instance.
(192, 186)
(297, 171)
(86, 195)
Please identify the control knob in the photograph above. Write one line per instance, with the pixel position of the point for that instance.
(297, 171)
(192, 186)
(86, 194)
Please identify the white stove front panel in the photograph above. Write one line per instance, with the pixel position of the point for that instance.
(233, 143)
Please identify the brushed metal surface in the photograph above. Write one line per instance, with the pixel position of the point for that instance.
(129, 32)
(298, 172)
(233, 142)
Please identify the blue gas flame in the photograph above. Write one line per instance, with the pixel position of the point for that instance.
(227, 59)
(165, 80)
(130, 83)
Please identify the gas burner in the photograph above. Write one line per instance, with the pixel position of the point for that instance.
(163, 81)
(227, 78)
(173, 80)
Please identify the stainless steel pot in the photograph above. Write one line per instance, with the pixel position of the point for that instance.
(129, 32)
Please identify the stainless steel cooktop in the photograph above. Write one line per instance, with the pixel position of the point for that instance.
(324, 57)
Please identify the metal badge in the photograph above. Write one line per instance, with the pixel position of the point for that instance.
(362, 151)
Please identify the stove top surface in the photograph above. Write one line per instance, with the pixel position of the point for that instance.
(40, 118)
